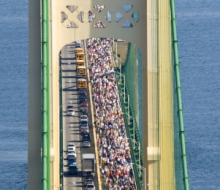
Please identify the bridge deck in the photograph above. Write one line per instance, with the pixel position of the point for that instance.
(71, 124)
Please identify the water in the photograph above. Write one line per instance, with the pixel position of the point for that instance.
(13, 94)
(198, 32)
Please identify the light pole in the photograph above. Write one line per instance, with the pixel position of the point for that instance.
(128, 101)
(139, 149)
(85, 52)
(145, 174)
(129, 116)
(117, 61)
(116, 48)
(121, 75)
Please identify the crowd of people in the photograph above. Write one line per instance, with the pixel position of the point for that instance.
(113, 147)
(99, 24)
(99, 8)
(91, 16)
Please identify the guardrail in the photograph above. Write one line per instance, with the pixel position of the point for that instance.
(45, 99)
(61, 124)
(131, 130)
(179, 98)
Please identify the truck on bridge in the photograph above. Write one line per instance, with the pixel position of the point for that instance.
(88, 164)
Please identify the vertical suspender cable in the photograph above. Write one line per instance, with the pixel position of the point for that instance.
(179, 98)
(48, 96)
(45, 99)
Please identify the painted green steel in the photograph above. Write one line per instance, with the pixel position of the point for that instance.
(45, 99)
(179, 98)
(130, 135)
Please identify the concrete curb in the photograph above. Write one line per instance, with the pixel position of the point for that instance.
(93, 127)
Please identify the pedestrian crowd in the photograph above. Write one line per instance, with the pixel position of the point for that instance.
(99, 8)
(99, 24)
(113, 147)
(91, 16)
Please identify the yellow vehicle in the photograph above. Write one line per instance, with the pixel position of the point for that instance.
(80, 63)
(81, 71)
(81, 83)
(79, 50)
(80, 56)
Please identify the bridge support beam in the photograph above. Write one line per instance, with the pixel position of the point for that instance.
(166, 115)
(159, 145)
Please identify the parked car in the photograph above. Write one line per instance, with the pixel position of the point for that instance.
(90, 176)
(71, 154)
(84, 104)
(82, 91)
(84, 117)
(84, 109)
(85, 137)
(86, 144)
(71, 112)
(70, 149)
(69, 106)
(78, 44)
(72, 169)
(82, 96)
(71, 145)
(84, 129)
(88, 181)
(84, 122)
(71, 161)
(90, 187)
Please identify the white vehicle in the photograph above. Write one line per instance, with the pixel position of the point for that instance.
(71, 112)
(83, 118)
(70, 149)
(86, 144)
(70, 105)
(71, 145)
(90, 187)
(78, 44)
(71, 154)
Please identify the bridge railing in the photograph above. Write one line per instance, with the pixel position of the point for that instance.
(131, 129)
(45, 97)
(61, 122)
(181, 136)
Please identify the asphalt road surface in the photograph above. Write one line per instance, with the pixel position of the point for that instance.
(71, 125)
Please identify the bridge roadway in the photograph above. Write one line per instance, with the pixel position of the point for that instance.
(71, 124)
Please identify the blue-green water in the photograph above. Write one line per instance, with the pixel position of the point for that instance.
(13, 94)
(198, 24)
